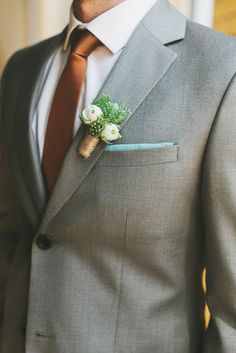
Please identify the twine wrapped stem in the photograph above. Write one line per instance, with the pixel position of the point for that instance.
(88, 145)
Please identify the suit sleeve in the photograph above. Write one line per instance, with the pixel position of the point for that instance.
(8, 224)
(219, 212)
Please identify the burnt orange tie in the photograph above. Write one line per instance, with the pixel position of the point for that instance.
(59, 133)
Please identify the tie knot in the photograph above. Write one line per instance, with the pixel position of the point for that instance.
(84, 43)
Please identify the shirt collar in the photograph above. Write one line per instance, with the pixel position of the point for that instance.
(115, 26)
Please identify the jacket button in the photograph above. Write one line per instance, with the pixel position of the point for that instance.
(44, 241)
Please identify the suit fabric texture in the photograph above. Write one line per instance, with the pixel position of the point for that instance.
(130, 231)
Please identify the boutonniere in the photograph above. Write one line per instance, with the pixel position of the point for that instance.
(102, 119)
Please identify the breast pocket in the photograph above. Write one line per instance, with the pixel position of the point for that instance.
(139, 157)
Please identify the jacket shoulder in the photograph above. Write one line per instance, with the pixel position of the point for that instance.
(25, 57)
(210, 45)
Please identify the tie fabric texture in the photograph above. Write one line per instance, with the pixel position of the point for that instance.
(59, 132)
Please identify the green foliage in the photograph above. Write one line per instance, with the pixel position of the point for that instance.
(97, 127)
(112, 113)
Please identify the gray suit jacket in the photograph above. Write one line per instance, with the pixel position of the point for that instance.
(113, 262)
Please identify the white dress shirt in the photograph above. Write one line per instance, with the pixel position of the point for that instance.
(113, 28)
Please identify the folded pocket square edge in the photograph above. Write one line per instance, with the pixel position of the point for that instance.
(138, 146)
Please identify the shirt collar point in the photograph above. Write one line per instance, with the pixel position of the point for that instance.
(65, 46)
(115, 49)
(66, 43)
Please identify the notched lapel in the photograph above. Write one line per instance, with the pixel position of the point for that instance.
(143, 63)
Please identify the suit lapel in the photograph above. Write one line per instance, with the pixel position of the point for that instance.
(143, 63)
(23, 152)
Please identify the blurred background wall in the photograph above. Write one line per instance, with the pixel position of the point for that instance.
(12, 27)
(23, 22)
(225, 16)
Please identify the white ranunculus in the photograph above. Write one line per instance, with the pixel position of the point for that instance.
(91, 114)
(110, 133)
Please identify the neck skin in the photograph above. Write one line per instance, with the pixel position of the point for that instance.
(87, 10)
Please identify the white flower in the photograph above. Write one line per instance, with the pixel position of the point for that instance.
(110, 133)
(91, 114)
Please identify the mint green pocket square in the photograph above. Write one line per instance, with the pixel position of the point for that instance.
(137, 146)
